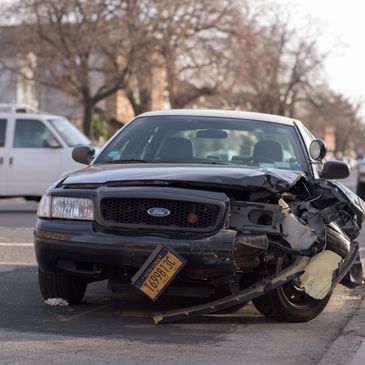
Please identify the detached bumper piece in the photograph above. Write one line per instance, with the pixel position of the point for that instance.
(269, 283)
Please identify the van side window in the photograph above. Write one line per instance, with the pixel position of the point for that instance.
(31, 134)
(2, 132)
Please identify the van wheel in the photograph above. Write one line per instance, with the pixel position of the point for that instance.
(289, 302)
(32, 198)
(56, 285)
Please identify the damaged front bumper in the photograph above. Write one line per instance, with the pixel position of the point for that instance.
(85, 249)
(295, 270)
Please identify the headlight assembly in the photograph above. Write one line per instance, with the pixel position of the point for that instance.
(63, 207)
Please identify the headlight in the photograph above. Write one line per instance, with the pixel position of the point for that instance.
(66, 208)
(44, 207)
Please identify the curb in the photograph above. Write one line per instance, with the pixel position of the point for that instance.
(359, 358)
(349, 347)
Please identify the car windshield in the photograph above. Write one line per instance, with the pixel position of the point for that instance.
(70, 134)
(206, 140)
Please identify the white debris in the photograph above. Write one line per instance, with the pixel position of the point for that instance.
(56, 301)
(297, 234)
(317, 278)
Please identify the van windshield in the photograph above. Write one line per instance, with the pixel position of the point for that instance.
(70, 134)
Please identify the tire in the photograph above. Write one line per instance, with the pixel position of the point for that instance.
(289, 302)
(32, 198)
(354, 277)
(263, 305)
(56, 285)
(360, 190)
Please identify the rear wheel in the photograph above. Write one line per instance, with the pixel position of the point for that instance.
(289, 303)
(57, 285)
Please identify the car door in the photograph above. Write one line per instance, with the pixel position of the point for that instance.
(3, 156)
(34, 160)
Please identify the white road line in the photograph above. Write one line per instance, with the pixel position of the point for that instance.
(16, 244)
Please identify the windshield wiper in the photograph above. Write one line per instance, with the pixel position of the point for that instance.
(131, 161)
(215, 163)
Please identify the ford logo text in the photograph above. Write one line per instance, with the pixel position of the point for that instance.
(158, 212)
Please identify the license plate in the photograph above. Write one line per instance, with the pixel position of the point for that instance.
(158, 271)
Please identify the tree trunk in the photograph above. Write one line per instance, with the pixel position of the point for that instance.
(87, 118)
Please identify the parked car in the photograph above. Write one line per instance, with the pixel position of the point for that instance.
(360, 184)
(158, 209)
(35, 150)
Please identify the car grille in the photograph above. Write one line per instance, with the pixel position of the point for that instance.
(183, 214)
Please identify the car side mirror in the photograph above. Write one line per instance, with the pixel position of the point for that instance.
(318, 149)
(335, 170)
(83, 154)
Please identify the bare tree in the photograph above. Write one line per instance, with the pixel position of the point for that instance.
(276, 66)
(327, 108)
(84, 48)
(192, 37)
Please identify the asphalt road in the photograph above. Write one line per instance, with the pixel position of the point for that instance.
(112, 328)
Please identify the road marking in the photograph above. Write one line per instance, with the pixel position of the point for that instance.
(16, 244)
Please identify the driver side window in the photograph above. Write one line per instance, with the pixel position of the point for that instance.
(31, 134)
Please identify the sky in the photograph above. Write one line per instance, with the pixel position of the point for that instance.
(342, 25)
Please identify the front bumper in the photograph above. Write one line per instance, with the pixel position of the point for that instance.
(85, 249)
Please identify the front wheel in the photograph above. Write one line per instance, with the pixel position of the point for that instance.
(289, 302)
(57, 285)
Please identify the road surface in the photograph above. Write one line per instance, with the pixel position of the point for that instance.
(112, 328)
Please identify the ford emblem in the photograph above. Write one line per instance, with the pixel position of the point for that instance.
(158, 212)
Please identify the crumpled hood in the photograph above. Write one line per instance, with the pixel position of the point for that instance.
(274, 180)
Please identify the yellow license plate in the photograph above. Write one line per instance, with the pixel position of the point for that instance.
(158, 272)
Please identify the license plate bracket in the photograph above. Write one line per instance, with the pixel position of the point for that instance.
(155, 275)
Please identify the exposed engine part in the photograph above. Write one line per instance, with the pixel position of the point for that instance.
(290, 251)
(336, 240)
(247, 249)
(255, 217)
(297, 234)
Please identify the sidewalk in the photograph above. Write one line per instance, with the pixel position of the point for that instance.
(359, 358)
(349, 347)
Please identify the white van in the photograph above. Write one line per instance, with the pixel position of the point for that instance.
(35, 149)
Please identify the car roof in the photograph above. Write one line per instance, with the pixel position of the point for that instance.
(223, 114)
(28, 115)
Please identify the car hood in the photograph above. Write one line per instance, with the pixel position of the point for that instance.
(275, 180)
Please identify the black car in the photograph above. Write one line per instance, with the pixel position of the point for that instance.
(226, 205)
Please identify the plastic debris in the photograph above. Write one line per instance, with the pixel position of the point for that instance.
(318, 275)
(56, 301)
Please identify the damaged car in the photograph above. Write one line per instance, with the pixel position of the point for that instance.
(165, 209)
